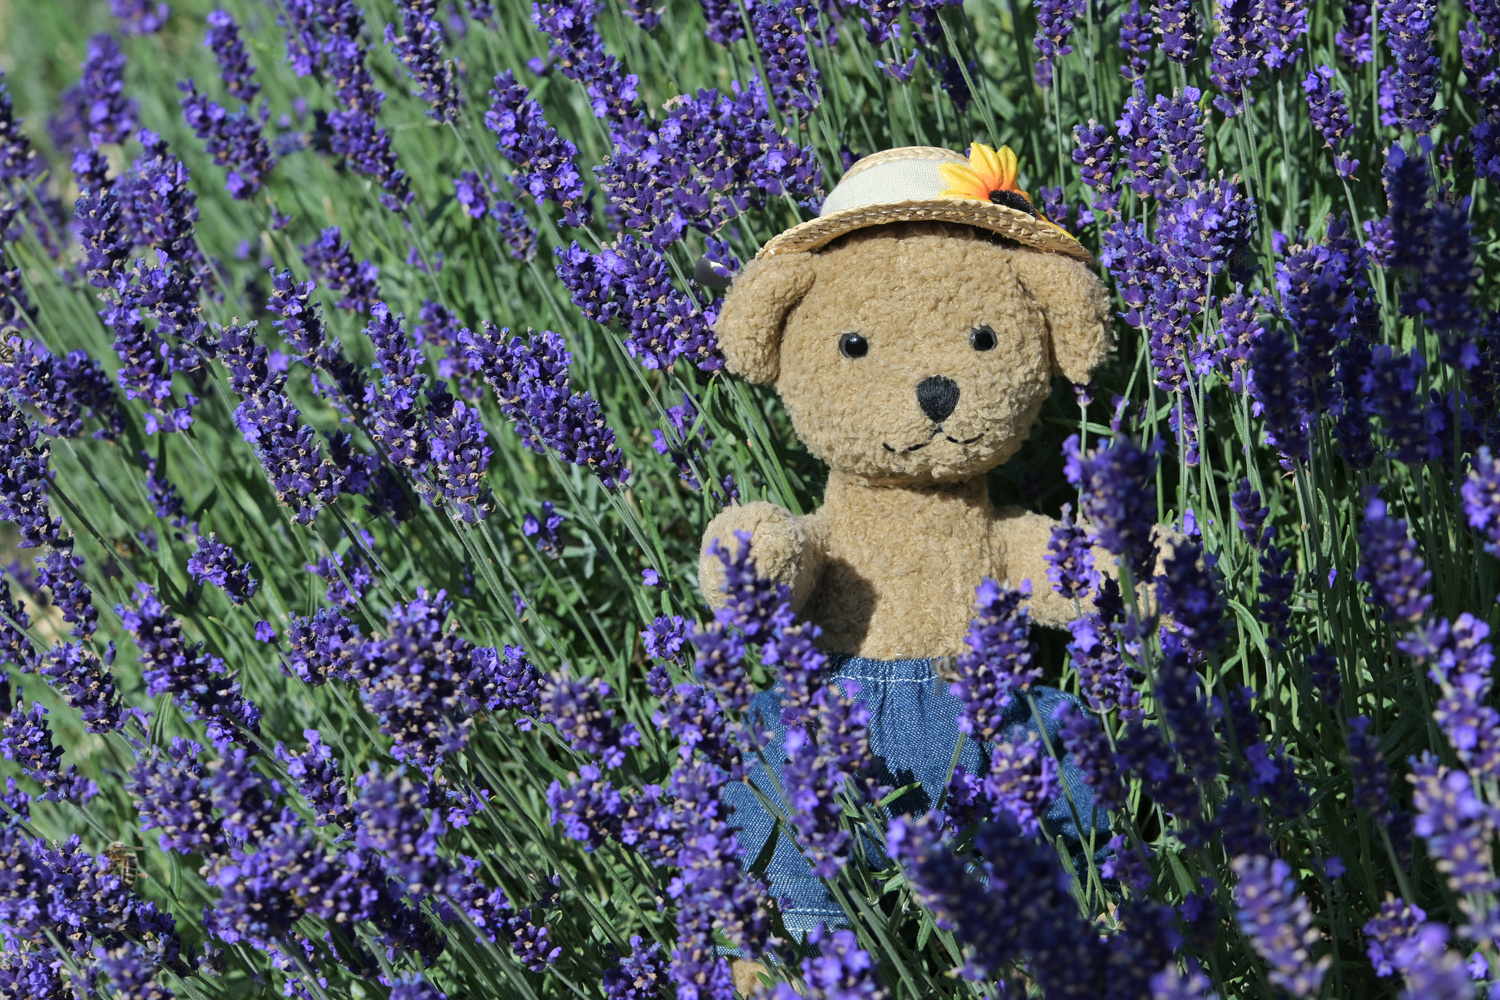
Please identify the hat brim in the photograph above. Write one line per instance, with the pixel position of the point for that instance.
(1007, 222)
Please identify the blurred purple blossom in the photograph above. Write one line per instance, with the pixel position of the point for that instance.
(998, 665)
(420, 50)
(1409, 84)
(1118, 498)
(233, 139)
(215, 563)
(140, 17)
(543, 160)
(329, 260)
(198, 681)
(1279, 923)
(26, 741)
(1392, 565)
(235, 68)
(543, 530)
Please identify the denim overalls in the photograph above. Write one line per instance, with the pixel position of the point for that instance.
(913, 730)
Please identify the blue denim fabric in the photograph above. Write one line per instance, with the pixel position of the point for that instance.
(913, 731)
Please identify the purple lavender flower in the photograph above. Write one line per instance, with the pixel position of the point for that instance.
(330, 261)
(214, 562)
(421, 682)
(1409, 85)
(1353, 36)
(1084, 738)
(160, 208)
(1330, 116)
(1054, 26)
(1456, 824)
(199, 682)
(687, 448)
(642, 976)
(998, 665)
(233, 139)
(1135, 39)
(63, 390)
(1444, 293)
(1119, 499)
(1392, 566)
(1094, 153)
(589, 810)
(1279, 923)
(576, 709)
(510, 682)
(1022, 780)
(140, 17)
(714, 156)
(26, 741)
(76, 672)
(691, 714)
(531, 379)
(1177, 27)
(842, 970)
(235, 68)
(666, 638)
(543, 159)
(320, 780)
(321, 647)
(725, 23)
(1190, 593)
(25, 476)
(300, 472)
(578, 51)
(58, 571)
(543, 530)
(1279, 24)
(1105, 679)
(458, 455)
(631, 282)
(245, 800)
(1459, 659)
(1235, 51)
(106, 114)
(19, 160)
(420, 51)
(784, 48)
(393, 819)
(1481, 499)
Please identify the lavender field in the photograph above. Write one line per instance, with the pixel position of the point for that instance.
(361, 415)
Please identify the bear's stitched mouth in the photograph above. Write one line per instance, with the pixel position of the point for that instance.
(935, 432)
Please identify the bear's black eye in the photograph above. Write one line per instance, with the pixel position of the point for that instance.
(982, 338)
(852, 345)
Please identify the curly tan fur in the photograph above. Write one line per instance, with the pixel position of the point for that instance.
(889, 564)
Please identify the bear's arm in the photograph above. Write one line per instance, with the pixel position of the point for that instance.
(1024, 537)
(786, 548)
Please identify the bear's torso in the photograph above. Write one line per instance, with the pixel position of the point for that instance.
(901, 564)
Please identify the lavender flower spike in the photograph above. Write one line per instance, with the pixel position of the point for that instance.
(1279, 923)
(223, 38)
(214, 563)
(420, 51)
(998, 666)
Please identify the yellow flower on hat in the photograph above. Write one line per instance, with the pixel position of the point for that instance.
(988, 172)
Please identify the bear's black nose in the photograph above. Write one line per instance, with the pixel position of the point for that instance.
(938, 397)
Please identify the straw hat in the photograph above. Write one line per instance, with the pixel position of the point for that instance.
(930, 184)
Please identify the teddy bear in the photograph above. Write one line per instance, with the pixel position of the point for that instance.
(912, 354)
(912, 331)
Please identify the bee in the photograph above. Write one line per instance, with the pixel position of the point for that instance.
(122, 862)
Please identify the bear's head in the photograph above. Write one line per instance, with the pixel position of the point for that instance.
(915, 351)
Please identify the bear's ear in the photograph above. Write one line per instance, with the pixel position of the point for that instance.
(753, 314)
(1077, 310)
